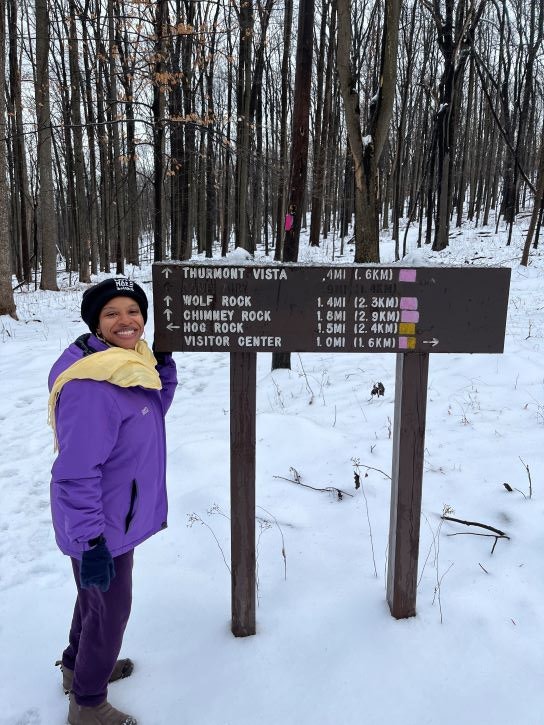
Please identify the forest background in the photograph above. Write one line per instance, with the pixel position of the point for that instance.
(138, 131)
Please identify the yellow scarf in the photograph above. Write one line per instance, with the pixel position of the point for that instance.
(125, 368)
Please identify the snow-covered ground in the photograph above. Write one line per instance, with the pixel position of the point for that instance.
(327, 650)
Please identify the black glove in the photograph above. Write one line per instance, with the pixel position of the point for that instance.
(160, 356)
(97, 567)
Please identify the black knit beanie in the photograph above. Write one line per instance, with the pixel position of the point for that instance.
(94, 298)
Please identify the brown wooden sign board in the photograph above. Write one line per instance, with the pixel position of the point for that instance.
(298, 308)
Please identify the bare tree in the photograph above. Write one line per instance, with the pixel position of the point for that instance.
(243, 127)
(299, 147)
(282, 151)
(46, 197)
(323, 117)
(81, 215)
(367, 149)
(536, 216)
(158, 127)
(455, 33)
(7, 303)
(20, 196)
(300, 127)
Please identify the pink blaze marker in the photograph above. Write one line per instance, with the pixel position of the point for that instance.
(403, 343)
(408, 303)
(409, 316)
(407, 275)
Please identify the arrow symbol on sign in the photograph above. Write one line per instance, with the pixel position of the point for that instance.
(172, 327)
(168, 299)
(167, 272)
(434, 342)
(168, 314)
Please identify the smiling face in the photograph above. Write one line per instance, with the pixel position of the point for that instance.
(121, 322)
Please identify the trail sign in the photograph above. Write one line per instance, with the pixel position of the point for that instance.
(299, 308)
(245, 309)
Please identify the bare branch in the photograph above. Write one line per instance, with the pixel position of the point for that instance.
(476, 523)
(330, 489)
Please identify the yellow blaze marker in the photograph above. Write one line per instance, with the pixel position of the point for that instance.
(407, 328)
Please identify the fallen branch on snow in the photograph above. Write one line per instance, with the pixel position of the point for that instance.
(476, 523)
(497, 533)
(329, 489)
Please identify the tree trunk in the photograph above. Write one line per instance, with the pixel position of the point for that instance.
(83, 232)
(243, 135)
(7, 303)
(20, 175)
(189, 147)
(300, 128)
(299, 139)
(282, 172)
(127, 55)
(465, 156)
(317, 148)
(455, 38)
(158, 131)
(175, 110)
(103, 155)
(117, 216)
(537, 208)
(90, 126)
(367, 151)
(226, 216)
(46, 195)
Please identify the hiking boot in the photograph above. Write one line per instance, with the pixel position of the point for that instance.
(122, 669)
(103, 714)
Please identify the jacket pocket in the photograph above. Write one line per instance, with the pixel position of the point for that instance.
(132, 507)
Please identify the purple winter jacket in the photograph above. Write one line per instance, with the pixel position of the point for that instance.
(110, 473)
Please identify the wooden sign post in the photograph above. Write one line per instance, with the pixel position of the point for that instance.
(406, 482)
(245, 309)
(243, 388)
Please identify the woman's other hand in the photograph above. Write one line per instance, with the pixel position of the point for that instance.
(97, 567)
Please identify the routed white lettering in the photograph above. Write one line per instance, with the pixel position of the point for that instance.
(228, 327)
(213, 272)
(194, 327)
(206, 341)
(208, 315)
(198, 300)
(379, 274)
(269, 273)
(259, 341)
(255, 315)
(232, 301)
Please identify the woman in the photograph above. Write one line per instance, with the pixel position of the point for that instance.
(109, 396)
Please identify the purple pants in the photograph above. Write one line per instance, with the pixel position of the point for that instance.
(97, 630)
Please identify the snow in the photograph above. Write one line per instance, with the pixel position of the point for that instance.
(238, 255)
(327, 650)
